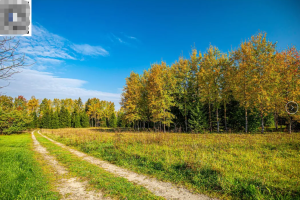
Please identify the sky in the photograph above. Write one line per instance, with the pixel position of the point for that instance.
(87, 48)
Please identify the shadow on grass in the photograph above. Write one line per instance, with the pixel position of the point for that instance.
(205, 177)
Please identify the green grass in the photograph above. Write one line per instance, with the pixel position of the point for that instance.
(21, 175)
(110, 185)
(228, 166)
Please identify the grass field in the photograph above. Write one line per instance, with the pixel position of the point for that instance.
(110, 185)
(228, 166)
(22, 176)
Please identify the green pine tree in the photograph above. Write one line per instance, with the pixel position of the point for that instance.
(68, 118)
(50, 119)
(113, 120)
(77, 120)
(84, 120)
(73, 120)
(198, 120)
(55, 120)
(46, 119)
(65, 118)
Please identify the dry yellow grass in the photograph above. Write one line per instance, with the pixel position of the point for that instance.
(225, 165)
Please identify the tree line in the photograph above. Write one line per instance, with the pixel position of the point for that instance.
(18, 114)
(244, 89)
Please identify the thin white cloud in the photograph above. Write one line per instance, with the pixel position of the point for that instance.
(124, 39)
(42, 43)
(117, 39)
(89, 50)
(50, 60)
(45, 85)
(47, 50)
(131, 37)
(48, 45)
(121, 41)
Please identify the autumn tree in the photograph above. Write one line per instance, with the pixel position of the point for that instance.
(160, 98)
(6, 103)
(242, 84)
(144, 101)
(68, 103)
(131, 98)
(33, 105)
(289, 71)
(56, 104)
(225, 81)
(209, 81)
(181, 71)
(259, 56)
(14, 116)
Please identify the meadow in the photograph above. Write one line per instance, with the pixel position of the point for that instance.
(22, 175)
(227, 166)
(98, 178)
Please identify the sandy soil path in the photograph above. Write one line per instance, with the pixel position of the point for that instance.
(70, 188)
(159, 188)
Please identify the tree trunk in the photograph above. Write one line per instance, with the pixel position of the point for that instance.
(144, 124)
(246, 121)
(159, 126)
(275, 121)
(164, 128)
(262, 122)
(218, 127)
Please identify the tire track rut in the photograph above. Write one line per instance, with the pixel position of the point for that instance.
(71, 188)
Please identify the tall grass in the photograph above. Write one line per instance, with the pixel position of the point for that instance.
(21, 176)
(229, 166)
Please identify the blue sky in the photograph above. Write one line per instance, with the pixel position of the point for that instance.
(88, 48)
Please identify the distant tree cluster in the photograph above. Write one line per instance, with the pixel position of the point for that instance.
(18, 114)
(244, 89)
